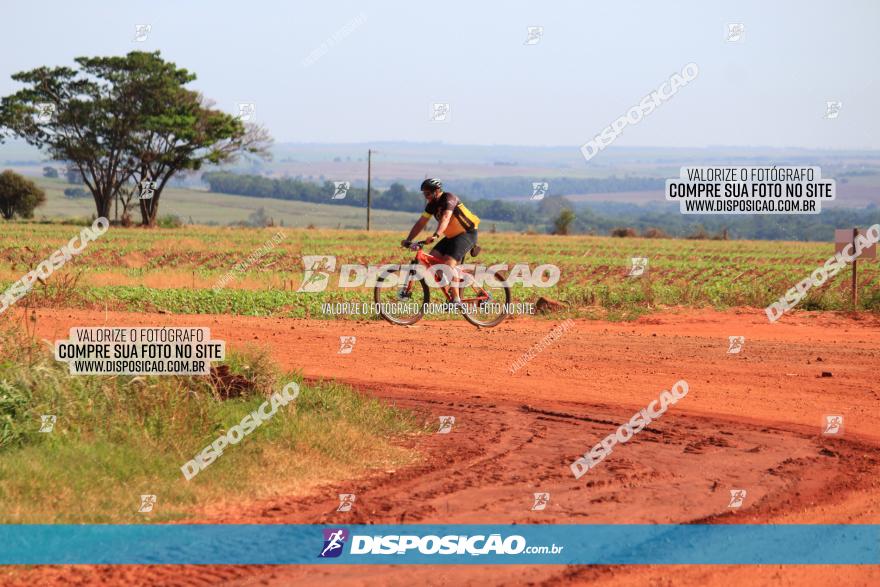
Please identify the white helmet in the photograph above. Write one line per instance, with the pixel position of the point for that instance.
(431, 184)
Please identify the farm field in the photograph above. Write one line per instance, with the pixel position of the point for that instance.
(205, 207)
(176, 270)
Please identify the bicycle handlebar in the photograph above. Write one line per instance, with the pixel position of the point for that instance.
(415, 245)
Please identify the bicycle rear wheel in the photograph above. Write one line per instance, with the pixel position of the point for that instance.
(395, 307)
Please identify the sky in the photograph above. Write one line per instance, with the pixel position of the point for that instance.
(339, 72)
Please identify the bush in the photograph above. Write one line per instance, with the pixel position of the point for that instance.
(75, 193)
(19, 195)
(699, 234)
(170, 221)
(721, 236)
(562, 223)
(622, 232)
(653, 232)
(13, 408)
(258, 218)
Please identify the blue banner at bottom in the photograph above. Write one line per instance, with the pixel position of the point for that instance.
(609, 544)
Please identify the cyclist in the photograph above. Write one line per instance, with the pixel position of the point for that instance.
(456, 228)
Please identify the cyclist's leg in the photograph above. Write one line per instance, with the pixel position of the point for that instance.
(409, 278)
(452, 251)
(453, 287)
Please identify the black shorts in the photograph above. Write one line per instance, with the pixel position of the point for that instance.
(458, 246)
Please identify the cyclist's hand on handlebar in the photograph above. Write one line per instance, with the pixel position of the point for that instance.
(405, 243)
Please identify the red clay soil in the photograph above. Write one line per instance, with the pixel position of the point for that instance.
(751, 420)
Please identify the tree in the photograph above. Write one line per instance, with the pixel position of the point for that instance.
(119, 120)
(258, 218)
(176, 130)
(50, 172)
(182, 132)
(553, 205)
(79, 116)
(19, 195)
(562, 222)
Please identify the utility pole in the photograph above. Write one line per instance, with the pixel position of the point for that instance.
(369, 166)
(855, 279)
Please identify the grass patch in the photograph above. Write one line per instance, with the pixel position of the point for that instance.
(119, 437)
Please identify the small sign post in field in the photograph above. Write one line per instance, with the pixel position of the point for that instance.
(847, 236)
(369, 169)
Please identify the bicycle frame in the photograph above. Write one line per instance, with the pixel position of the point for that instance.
(479, 309)
(428, 261)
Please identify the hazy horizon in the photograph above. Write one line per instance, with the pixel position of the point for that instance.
(383, 65)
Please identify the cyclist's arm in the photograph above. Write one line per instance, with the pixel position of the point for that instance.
(418, 227)
(444, 222)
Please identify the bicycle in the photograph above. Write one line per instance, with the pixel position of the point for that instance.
(485, 305)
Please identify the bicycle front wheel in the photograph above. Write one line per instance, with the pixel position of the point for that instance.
(486, 304)
(397, 305)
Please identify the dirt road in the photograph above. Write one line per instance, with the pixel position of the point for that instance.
(751, 420)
